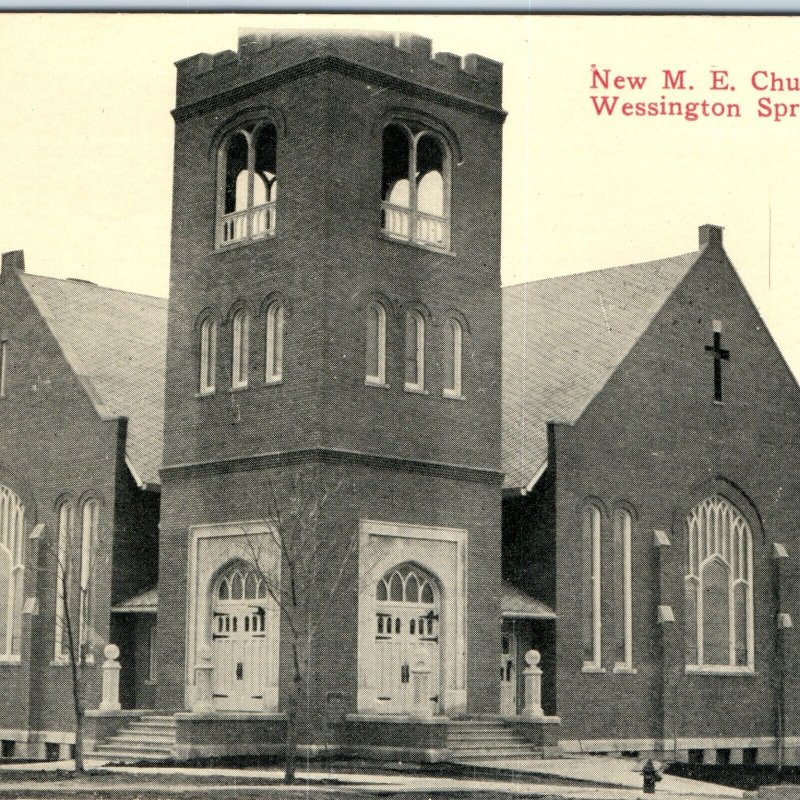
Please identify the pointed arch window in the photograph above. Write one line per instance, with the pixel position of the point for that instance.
(247, 184)
(274, 342)
(453, 338)
(590, 595)
(89, 529)
(415, 190)
(208, 356)
(719, 588)
(64, 588)
(415, 351)
(12, 573)
(241, 350)
(376, 344)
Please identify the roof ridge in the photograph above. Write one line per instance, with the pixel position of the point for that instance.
(637, 264)
(87, 282)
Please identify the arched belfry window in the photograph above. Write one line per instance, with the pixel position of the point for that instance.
(376, 344)
(247, 184)
(12, 571)
(719, 588)
(415, 187)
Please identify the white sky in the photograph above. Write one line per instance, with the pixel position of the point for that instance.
(86, 138)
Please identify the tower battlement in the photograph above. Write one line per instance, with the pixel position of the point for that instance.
(384, 58)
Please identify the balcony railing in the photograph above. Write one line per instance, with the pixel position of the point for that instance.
(415, 226)
(252, 223)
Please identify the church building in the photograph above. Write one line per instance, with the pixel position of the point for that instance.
(474, 523)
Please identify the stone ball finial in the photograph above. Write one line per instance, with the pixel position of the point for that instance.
(532, 658)
(111, 652)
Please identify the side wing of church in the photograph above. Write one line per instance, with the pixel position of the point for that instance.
(81, 377)
(650, 445)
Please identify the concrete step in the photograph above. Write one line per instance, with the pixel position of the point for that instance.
(131, 753)
(155, 723)
(128, 737)
(478, 735)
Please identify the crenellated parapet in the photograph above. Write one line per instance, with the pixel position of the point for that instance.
(403, 61)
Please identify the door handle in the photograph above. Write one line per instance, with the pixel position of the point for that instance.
(239, 671)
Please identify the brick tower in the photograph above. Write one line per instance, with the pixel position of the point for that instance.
(335, 312)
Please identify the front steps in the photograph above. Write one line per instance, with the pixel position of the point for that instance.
(482, 742)
(150, 738)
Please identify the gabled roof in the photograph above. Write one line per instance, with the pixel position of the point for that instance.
(116, 343)
(563, 338)
(516, 603)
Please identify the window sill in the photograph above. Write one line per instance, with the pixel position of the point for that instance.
(719, 669)
(448, 395)
(276, 381)
(415, 389)
(408, 243)
(623, 669)
(378, 384)
(201, 395)
(592, 669)
(151, 682)
(11, 661)
(243, 388)
(60, 662)
(225, 248)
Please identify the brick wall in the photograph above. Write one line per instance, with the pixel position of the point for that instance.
(654, 438)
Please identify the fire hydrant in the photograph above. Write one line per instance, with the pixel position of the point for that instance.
(650, 775)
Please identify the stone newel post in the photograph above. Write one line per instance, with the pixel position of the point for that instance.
(203, 674)
(420, 687)
(111, 669)
(533, 685)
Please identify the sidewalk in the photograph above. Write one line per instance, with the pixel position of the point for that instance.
(620, 781)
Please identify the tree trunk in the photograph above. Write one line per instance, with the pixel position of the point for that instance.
(78, 702)
(291, 742)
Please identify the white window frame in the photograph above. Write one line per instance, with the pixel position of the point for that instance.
(379, 378)
(729, 541)
(90, 517)
(454, 392)
(208, 356)
(66, 529)
(596, 664)
(414, 317)
(623, 523)
(274, 343)
(12, 548)
(240, 350)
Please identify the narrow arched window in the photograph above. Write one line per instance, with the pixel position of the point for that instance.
(274, 343)
(89, 530)
(376, 344)
(415, 351)
(64, 588)
(623, 599)
(719, 588)
(453, 336)
(241, 350)
(415, 186)
(12, 571)
(247, 184)
(208, 356)
(590, 594)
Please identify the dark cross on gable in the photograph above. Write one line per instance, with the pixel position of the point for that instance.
(720, 355)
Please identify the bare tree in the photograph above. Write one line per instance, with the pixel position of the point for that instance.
(316, 563)
(74, 559)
